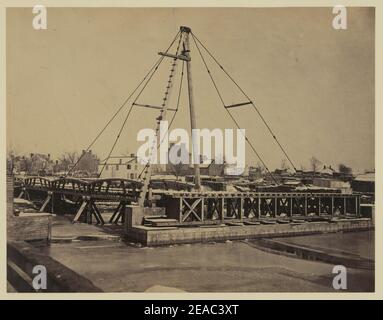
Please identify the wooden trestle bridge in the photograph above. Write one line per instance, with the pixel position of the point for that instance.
(184, 207)
(184, 204)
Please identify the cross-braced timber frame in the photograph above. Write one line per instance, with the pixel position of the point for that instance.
(216, 207)
(84, 195)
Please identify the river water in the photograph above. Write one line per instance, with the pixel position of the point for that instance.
(213, 267)
(356, 243)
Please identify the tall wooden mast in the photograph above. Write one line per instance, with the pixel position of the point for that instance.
(193, 125)
(184, 56)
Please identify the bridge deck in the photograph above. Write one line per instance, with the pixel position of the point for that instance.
(188, 206)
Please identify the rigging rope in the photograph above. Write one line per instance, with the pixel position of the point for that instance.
(175, 112)
(231, 116)
(133, 103)
(252, 103)
(165, 100)
(154, 67)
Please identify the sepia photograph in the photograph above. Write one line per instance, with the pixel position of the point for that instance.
(190, 150)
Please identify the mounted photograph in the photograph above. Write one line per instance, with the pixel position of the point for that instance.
(192, 150)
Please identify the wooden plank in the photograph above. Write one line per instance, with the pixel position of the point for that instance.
(191, 209)
(116, 211)
(48, 198)
(169, 55)
(238, 104)
(169, 223)
(80, 210)
(152, 107)
(240, 213)
(97, 213)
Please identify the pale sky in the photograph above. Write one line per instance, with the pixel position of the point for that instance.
(314, 84)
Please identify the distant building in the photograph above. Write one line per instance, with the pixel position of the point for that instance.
(182, 168)
(343, 176)
(323, 182)
(364, 183)
(34, 164)
(126, 167)
(88, 163)
(179, 169)
(211, 169)
(18, 164)
(327, 171)
(208, 167)
(39, 164)
(256, 172)
(233, 170)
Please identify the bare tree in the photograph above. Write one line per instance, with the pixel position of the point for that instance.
(259, 168)
(10, 161)
(67, 159)
(344, 169)
(284, 165)
(315, 163)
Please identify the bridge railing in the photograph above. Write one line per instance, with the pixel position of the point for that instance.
(113, 186)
